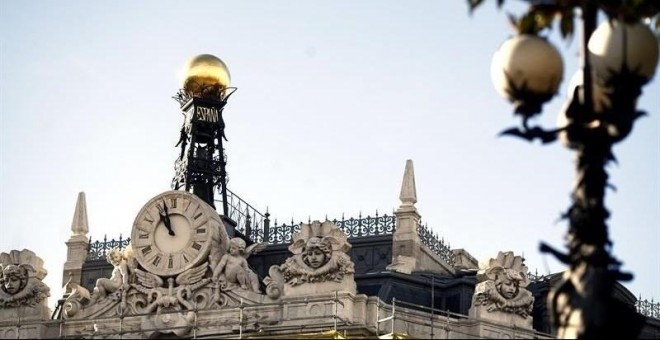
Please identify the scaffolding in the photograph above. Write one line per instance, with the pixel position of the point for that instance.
(235, 320)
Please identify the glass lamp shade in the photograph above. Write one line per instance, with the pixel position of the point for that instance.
(614, 45)
(204, 71)
(526, 65)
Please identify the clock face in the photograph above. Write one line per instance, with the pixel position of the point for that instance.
(173, 232)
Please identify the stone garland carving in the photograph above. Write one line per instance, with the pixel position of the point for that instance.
(501, 286)
(21, 273)
(319, 255)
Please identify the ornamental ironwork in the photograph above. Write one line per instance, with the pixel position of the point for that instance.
(353, 228)
(435, 243)
(201, 165)
(98, 250)
(648, 308)
(205, 91)
(368, 226)
(281, 234)
(249, 221)
(536, 277)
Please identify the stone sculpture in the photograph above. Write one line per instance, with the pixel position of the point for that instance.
(501, 286)
(319, 257)
(21, 273)
(118, 281)
(167, 303)
(233, 271)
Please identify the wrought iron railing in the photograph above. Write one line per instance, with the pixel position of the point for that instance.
(353, 227)
(648, 308)
(536, 277)
(435, 243)
(98, 250)
(248, 219)
(256, 227)
(360, 227)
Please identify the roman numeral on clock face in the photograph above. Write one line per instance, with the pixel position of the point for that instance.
(146, 227)
(146, 250)
(196, 246)
(156, 260)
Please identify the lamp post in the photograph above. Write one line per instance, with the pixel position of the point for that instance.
(618, 58)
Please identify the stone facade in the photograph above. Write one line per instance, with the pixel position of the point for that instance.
(23, 295)
(409, 253)
(78, 243)
(501, 293)
(319, 285)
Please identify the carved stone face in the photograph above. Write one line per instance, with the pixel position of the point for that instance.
(315, 258)
(13, 279)
(234, 250)
(508, 288)
(115, 258)
(12, 284)
(236, 246)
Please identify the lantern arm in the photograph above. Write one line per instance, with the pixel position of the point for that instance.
(536, 132)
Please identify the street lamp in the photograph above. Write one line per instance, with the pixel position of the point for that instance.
(618, 59)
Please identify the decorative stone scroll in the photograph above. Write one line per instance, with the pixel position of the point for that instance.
(501, 290)
(319, 263)
(167, 304)
(21, 273)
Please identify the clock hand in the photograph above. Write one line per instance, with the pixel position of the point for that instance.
(164, 216)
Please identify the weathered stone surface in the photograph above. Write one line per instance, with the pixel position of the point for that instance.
(500, 293)
(78, 243)
(319, 263)
(408, 195)
(23, 295)
(21, 273)
(79, 225)
(408, 252)
(464, 260)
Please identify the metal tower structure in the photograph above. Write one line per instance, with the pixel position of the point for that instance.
(201, 165)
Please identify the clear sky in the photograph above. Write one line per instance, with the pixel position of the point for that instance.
(333, 98)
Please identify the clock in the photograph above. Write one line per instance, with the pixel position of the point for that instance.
(175, 231)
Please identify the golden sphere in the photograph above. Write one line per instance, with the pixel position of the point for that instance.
(204, 71)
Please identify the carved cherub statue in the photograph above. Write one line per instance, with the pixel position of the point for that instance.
(119, 278)
(233, 269)
(502, 285)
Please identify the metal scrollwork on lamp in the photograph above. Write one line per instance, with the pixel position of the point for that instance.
(619, 57)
